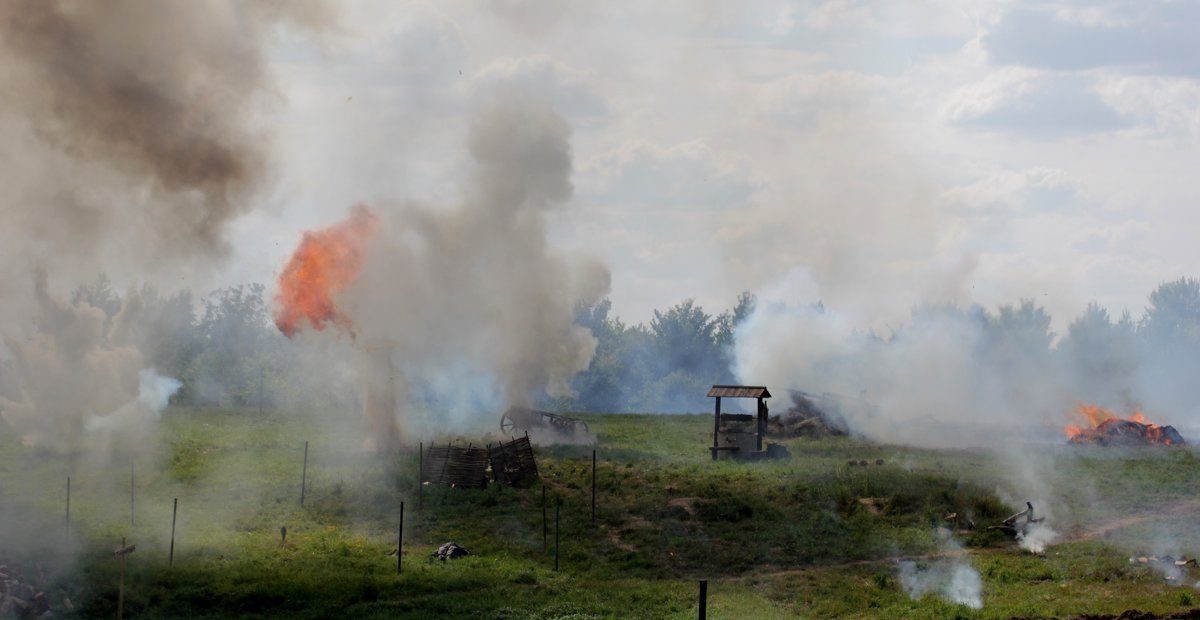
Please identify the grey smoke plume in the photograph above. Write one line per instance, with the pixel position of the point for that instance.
(129, 134)
(474, 304)
(948, 378)
(128, 128)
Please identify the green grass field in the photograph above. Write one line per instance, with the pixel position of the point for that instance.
(809, 537)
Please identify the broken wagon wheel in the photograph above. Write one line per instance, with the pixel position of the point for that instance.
(506, 424)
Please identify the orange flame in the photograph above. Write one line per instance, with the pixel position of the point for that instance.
(323, 264)
(1104, 426)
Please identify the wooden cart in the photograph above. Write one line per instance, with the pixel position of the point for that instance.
(521, 419)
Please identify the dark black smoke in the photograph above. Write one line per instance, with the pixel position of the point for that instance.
(134, 120)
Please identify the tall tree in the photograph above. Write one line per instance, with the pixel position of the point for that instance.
(1101, 356)
(1173, 317)
(238, 342)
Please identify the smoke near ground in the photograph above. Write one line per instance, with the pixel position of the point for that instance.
(72, 376)
(960, 376)
(952, 578)
(997, 379)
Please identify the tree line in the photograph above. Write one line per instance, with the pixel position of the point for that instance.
(225, 348)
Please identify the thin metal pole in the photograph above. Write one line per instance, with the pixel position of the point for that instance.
(121, 590)
(703, 599)
(131, 513)
(593, 486)
(421, 475)
(400, 539)
(545, 527)
(67, 522)
(262, 372)
(171, 553)
(557, 504)
(304, 474)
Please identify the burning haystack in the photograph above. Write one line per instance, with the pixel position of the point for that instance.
(1105, 428)
(810, 415)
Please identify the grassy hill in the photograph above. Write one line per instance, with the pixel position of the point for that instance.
(809, 537)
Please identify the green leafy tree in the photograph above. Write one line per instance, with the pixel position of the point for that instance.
(1172, 319)
(1101, 356)
(238, 344)
(617, 372)
(1170, 332)
(666, 366)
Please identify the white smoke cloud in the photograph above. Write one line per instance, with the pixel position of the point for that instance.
(1036, 538)
(154, 392)
(952, 578)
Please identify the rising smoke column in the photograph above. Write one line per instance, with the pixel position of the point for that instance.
(479, 305)
(129, 135)
(466, 307)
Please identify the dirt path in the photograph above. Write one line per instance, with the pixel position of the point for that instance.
(1174, 510)
(1160, 513)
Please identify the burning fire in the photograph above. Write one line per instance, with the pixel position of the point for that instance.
(1105, 427)
(324, 263)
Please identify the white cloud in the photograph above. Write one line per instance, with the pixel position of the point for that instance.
(1168, 106)
(839, 14)
(690, 175)
(1013, 191)
(990, 92)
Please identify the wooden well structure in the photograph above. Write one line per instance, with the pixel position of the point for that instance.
(739, 435)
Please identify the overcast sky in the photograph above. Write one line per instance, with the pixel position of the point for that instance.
(873, 155)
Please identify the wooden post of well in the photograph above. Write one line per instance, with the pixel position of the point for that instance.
(703, 599)
(545, 527)
(760, 424)
(716, 426)
(557, 505)
(593, 485)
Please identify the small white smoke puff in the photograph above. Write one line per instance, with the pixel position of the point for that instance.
(1035, 538)
(154, 392)
(954, 578)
